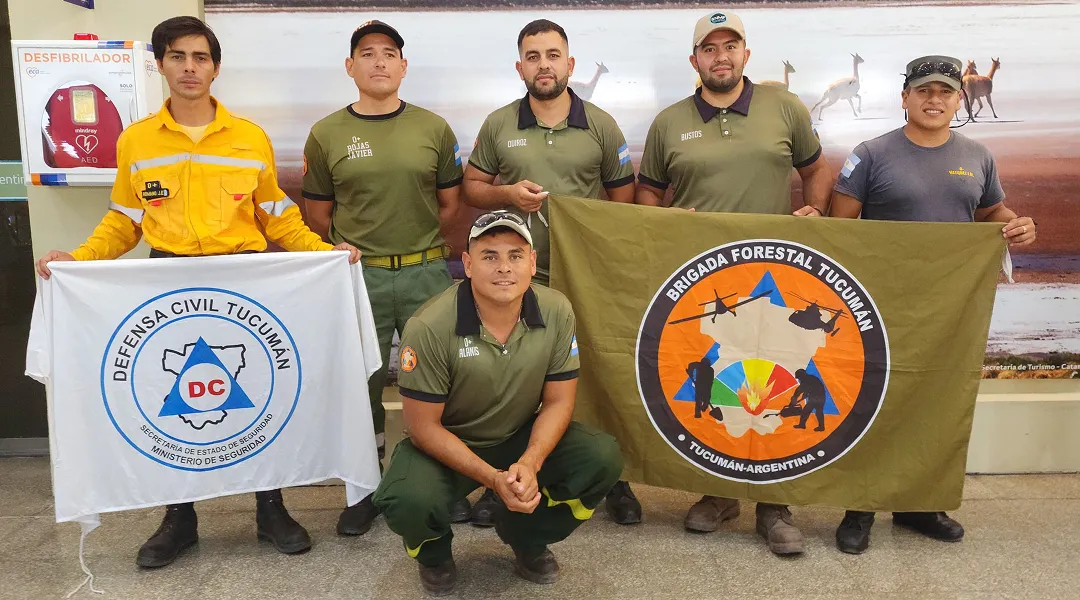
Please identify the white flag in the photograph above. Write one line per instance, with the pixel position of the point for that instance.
(184, 379)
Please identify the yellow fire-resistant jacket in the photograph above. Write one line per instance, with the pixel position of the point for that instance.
(196, 199)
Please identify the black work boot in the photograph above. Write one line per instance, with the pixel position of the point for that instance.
(276, 526)
(623, 505)
(537, 567)
(179, 530)
(853, 534)
(935, 525)
(460, 511)
(540, 568)
(483, 512)
(357, 519)
(439, 580)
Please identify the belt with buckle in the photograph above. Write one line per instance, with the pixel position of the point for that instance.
(397, 261)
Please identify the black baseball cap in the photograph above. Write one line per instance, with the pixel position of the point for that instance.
(375, 26)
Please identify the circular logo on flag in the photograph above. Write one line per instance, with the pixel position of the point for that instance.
(200, 378)
(762, 361)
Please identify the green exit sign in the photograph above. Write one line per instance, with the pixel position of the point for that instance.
(12, 184)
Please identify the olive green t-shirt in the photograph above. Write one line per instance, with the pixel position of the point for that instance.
(490, 390)
(381, 173)
(734, 159)
(577, 157)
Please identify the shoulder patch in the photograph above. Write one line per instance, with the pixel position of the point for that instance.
(850, 164)
(408, 359)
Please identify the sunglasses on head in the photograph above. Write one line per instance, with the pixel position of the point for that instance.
(929, 68)
(488, 219)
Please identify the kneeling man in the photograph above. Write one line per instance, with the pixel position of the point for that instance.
(488, 377)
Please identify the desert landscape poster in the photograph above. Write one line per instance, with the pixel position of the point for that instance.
(283, 66)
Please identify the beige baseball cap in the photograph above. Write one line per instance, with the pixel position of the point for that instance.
(717, 20)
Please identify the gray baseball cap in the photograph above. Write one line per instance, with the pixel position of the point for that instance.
(925, 69)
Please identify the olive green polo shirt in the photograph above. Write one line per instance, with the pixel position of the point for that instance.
(734, 159)
(577, 157)
(490, 389)
(381, 172)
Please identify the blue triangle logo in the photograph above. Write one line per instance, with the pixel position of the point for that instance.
(202, 354)
(768, 285)
(830, 404)
(686, 392)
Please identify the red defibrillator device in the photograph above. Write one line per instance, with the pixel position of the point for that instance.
(80, 127)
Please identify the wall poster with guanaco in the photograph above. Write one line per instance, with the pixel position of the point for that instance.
(844, 60)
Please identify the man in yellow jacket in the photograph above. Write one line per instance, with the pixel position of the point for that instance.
(196, 180)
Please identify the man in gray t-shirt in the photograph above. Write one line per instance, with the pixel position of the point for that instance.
(894, 179)
(923, 172)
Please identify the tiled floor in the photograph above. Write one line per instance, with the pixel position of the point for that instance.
(1022, 541)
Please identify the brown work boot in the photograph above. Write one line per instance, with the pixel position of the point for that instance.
(709, 513)
(775, 524)
(439, 580)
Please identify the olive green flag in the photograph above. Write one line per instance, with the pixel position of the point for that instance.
(792, 360)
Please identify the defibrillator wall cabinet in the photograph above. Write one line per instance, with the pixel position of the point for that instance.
(74, 98)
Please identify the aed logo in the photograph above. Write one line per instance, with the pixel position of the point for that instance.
(76, 57)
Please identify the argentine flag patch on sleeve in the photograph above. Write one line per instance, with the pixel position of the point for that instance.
(850, 164)
(573, 346)
(624, 154)
(457, 155)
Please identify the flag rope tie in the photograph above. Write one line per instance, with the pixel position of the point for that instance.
(82, 563)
